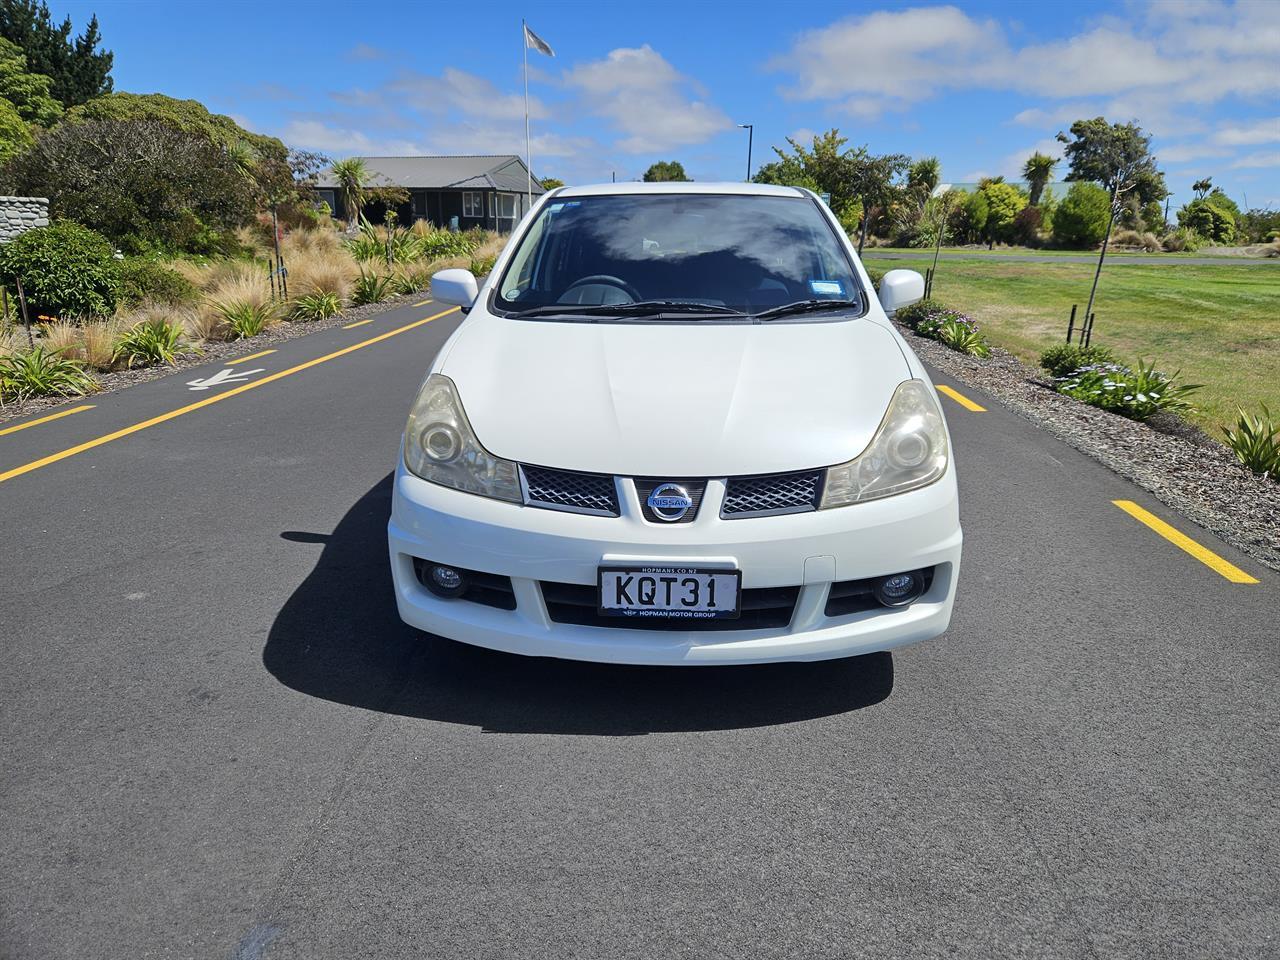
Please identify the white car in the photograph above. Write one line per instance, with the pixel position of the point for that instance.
(676, 427)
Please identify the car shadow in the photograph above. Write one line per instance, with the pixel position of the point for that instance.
(339, 638)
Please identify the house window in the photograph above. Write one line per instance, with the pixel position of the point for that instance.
(329, 197)
(507, 206)
(472, 204)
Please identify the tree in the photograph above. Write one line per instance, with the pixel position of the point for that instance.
(264, 160)
(77, 69)
(141, 183)
(1038, 171)
(550, 183)
(1213, 216)
(1004, 203)
(351, 175)
(1080, 220)
(922, 179)
(1117, 155)
(823, 167)
(28, 92)
(665, 171)
(15, 135)
(1201, 187)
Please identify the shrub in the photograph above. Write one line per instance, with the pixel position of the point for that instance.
(204, 323)
(1137, 239)
(1026, 226)
(433, 244)
(1080, 220)
(41, 372)
(1067, 358)
(875, 276)
(142, 279)
(316, 306)
(955, 330)
(153, 339)
(98, 344)
(910, 316)
(1179, 240)
(1134, 394)
(371, 287)
(66, 270)
(1212, 217)
(483, 266)
(1256, 442)
(245, 319)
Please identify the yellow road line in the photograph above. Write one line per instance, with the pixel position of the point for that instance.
(252, 356)
(1206, 556)
(422, 303)
(52, 416)
(216, 398)
(961, 399)
(358, 323)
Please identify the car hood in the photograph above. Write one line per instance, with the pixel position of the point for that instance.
(675, 399)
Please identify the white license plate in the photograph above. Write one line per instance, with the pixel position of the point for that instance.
(670, 592)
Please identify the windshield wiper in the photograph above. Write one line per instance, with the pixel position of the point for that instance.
(805, 306)
(646, 308)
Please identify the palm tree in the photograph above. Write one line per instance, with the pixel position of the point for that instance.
(1038, 171)
(923, 178)
(351, 175)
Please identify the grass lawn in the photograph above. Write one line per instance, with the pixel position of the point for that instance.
(870, 252)
(1220, 325)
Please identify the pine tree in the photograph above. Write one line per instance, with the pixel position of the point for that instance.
(79, 71)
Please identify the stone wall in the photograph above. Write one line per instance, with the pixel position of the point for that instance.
(20, 214)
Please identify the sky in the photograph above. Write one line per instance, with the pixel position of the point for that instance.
(979, 85)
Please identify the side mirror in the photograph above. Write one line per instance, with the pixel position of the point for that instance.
(898, 289)
(456, 287)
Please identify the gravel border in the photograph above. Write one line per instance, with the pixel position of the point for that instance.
(1182, 467)
(211, 351)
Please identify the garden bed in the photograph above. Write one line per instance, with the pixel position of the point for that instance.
(1178, 464)
(210, 352)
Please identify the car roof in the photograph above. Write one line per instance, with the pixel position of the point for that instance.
(672, 186)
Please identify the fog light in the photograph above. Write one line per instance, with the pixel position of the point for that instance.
(445, 581)
(900, 589)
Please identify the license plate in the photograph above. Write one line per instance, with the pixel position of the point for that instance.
(670, 592)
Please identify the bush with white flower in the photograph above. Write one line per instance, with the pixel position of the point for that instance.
(1136, 394)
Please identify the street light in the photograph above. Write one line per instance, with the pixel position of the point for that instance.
(751, 134)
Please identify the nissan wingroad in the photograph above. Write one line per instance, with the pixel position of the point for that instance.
(677, 427)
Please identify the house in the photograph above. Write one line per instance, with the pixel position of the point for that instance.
(482, 191)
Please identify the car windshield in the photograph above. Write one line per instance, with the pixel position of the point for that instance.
(660, 256)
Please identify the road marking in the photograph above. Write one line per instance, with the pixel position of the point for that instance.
(1206, 556)
(52, 416)
(422, 303)
(358, 323)
(215, 398)
(252, 356)
(961, 399)
(223, 377)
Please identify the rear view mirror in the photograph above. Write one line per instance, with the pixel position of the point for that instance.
(900, 288)
(455, 287)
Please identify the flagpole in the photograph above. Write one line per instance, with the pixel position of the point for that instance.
(528, 150)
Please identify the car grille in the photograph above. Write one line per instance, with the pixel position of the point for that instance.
(646, 486)
(568, 490)
(762, 608)
(771, 495)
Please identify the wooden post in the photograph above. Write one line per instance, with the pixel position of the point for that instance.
(26, 317)
(1071, 323)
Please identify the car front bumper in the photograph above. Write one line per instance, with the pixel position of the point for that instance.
(532, 546)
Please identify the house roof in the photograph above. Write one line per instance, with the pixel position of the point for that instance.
(500, 172)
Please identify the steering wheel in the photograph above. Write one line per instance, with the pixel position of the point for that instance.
(599, 280)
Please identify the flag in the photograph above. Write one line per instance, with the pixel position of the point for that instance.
(535, 42)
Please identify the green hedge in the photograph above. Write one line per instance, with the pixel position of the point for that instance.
(66, 271)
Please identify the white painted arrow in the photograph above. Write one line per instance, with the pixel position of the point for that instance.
(222, 377)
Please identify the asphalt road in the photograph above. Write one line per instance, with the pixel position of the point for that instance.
(1123, 258)
(218, 741)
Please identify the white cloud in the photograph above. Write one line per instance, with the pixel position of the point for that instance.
(1260, 159)
(1183, 54)
(458, 90)
(346, 142)
(1249, 133)
(1059, 116)
(366, 52)
(647, 100)
(1193, 150)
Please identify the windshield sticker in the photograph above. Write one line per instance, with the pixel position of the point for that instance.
(827, 288)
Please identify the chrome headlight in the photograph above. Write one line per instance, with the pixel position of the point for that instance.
(908, 451)
(440, 446)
